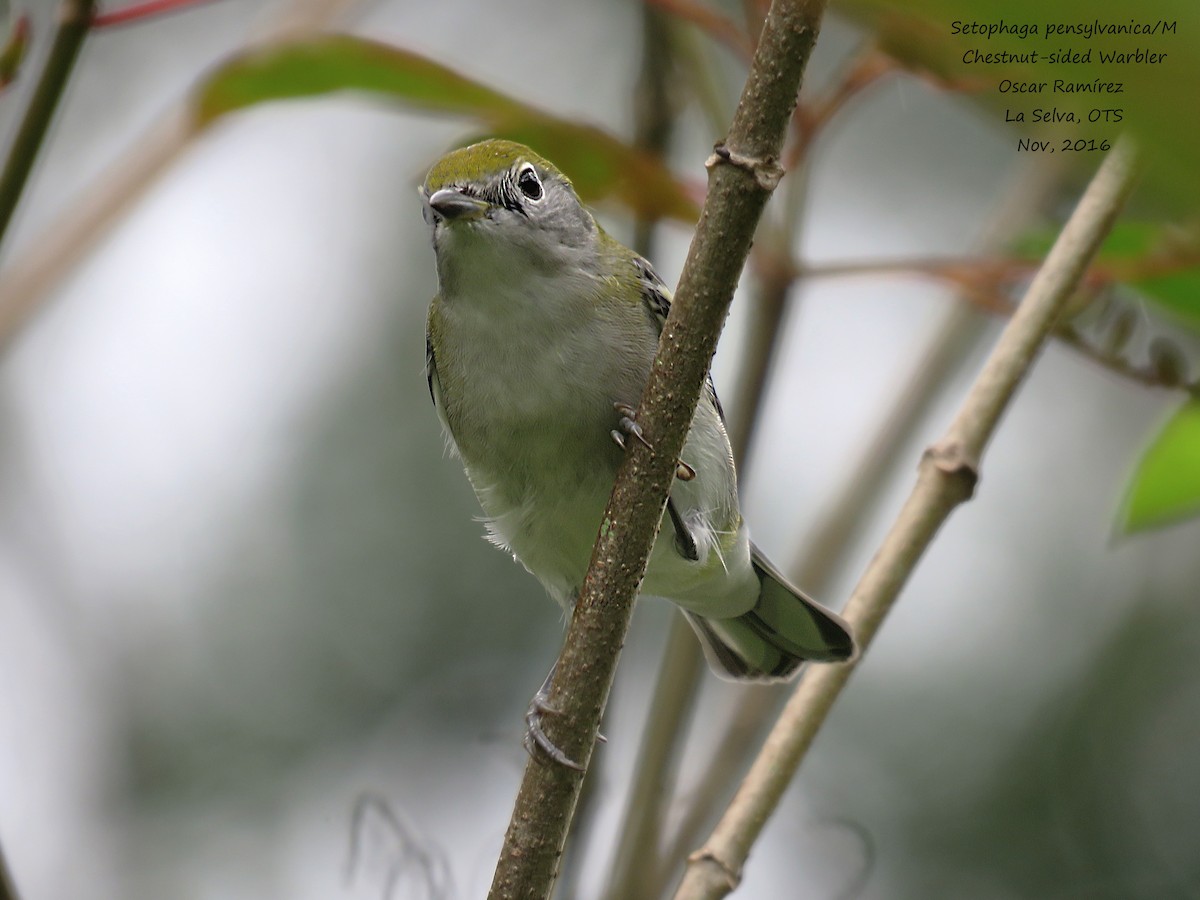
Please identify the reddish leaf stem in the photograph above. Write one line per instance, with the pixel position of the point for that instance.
(138, 12)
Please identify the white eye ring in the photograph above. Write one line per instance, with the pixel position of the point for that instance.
(529, 184)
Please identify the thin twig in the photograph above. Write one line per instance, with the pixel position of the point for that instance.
(1001, 270)
(833, 535)
(139, 12)
(742, 174)
(947, 476)
(14, 51)
(74, 16)
(27, 282)
(683, 651)
(764, 334)
(715, 24)
(700, 75)
(863, 70)
(654, 106)
(8, 888)
(680, 673)
(838, 527)
(73, 20)
(671, 705)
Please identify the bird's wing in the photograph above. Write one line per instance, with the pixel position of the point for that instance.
(430, 366)
(657, 299)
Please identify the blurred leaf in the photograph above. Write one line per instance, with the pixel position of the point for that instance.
(599, 164)
(1178, 293)
(12, 54)
(1127, 240)
(1163, 262)
(1166, 485)
(313, 66)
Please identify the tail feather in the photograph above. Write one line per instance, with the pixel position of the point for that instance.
(771, 641)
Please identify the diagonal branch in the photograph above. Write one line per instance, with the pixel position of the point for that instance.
(140, 12)
(74, 20)
(26, 282)
(947, 477)
(742, 174)
(8, 890)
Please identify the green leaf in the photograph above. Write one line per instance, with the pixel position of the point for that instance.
(310, 67)
(1166, 485)
(13, 53)
(600, 165)
(1127, 240)
(1177, 292)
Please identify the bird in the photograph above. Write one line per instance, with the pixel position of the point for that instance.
(538, 344)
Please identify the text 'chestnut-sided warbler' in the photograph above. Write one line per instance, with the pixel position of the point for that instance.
(539, 342)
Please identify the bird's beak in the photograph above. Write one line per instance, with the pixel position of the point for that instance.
(453, 206)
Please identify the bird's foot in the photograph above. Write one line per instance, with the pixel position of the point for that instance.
(627, 426)
(536, 738)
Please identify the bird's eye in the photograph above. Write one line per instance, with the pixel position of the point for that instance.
(529, 183)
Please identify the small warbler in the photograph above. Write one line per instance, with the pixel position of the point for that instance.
(539, 341)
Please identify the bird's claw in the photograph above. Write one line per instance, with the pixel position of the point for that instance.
(535, 736)
(627, 425)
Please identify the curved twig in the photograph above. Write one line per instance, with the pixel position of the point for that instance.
(742, 175)
(74, 19)
(947, 476)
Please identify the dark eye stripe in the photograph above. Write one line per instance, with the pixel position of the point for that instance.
(510, 196)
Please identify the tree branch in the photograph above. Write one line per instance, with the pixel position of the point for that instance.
(717, 25)
(140, 12)
(742, 174)
(675, 691)
(75, 17)
(26, 283)
(677, 686)
(8, 890)
(947, 477)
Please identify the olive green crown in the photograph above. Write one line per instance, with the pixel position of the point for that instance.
(473, 164)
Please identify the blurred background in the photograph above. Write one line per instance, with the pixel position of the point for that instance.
(252, 643)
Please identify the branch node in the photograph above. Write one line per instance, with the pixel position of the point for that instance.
(767, 172)
(732, 874)
(951, 458)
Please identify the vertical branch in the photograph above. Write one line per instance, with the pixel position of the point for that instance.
(947, 476)
(764, 334)
(677, 684)
(8, 890)
(75, 18)
(743, 172)
(653, 106)
(671, 706)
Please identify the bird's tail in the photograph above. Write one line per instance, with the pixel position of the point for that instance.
(770, 642)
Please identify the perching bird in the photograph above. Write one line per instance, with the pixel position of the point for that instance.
(539, 342)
